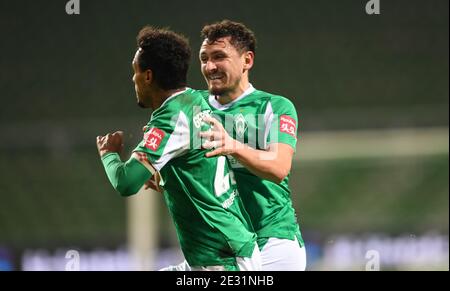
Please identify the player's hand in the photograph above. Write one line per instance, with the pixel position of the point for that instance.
(218, 139)
(153, 183)
(110, 143)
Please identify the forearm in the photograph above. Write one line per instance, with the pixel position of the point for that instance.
(273, 164)
(264, 164)
(127, 178)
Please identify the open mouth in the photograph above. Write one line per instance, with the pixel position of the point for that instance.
(215, 77)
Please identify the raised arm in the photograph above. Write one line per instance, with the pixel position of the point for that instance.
(126, 177)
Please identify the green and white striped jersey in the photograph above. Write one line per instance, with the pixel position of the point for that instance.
(211, 223)
(258, 118)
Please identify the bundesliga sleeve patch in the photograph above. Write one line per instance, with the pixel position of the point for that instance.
(288, 125)
(153, 138)
(141, 157)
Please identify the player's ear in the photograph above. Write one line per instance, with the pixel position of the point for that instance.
(249, 57)
(148, 76)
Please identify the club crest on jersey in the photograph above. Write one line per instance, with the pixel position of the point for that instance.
(153, 138)
(288, 125)
(240, 124)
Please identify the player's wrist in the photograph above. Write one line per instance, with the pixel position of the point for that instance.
(236, 149)
(104, 153)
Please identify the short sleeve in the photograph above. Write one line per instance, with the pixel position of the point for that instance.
(281, 122)
(166, 137)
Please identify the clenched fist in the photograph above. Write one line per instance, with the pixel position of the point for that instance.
(110, 143)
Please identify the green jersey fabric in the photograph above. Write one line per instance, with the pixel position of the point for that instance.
(211, 223)
(258, 118)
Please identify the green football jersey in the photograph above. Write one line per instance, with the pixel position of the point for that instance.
(211, 223)
(258, 119)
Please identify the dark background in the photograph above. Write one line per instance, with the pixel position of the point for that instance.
(66, 78)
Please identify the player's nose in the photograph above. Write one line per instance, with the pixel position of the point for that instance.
(210, 67)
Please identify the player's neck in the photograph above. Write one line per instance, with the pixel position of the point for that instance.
(163, 95)
(234, 94)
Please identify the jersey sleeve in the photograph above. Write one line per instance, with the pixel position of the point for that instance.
(165, 138)
(281, 122)
(126, 178)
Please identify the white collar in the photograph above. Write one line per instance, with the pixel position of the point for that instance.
(214, 103)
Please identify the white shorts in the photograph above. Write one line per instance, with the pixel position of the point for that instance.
(283, 255)
(245, 264)
(250, 264)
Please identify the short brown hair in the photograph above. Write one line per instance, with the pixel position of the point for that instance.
(242, 38)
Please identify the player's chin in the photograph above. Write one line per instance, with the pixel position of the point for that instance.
(216, 90)
(141, 104)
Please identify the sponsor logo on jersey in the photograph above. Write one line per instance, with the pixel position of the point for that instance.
(227, 203)
(234, 162)
(288, 125)
(198, 118)
(153, 138)
(240, 124)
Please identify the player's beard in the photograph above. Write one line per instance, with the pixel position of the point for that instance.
(224, 90)
(218, 91)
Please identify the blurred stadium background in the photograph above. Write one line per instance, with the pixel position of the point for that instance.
(371, 171)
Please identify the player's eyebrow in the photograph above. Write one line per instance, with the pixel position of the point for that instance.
(217, 42)
(214, 52)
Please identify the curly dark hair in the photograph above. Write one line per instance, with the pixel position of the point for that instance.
(166, 53)
(242, 38)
